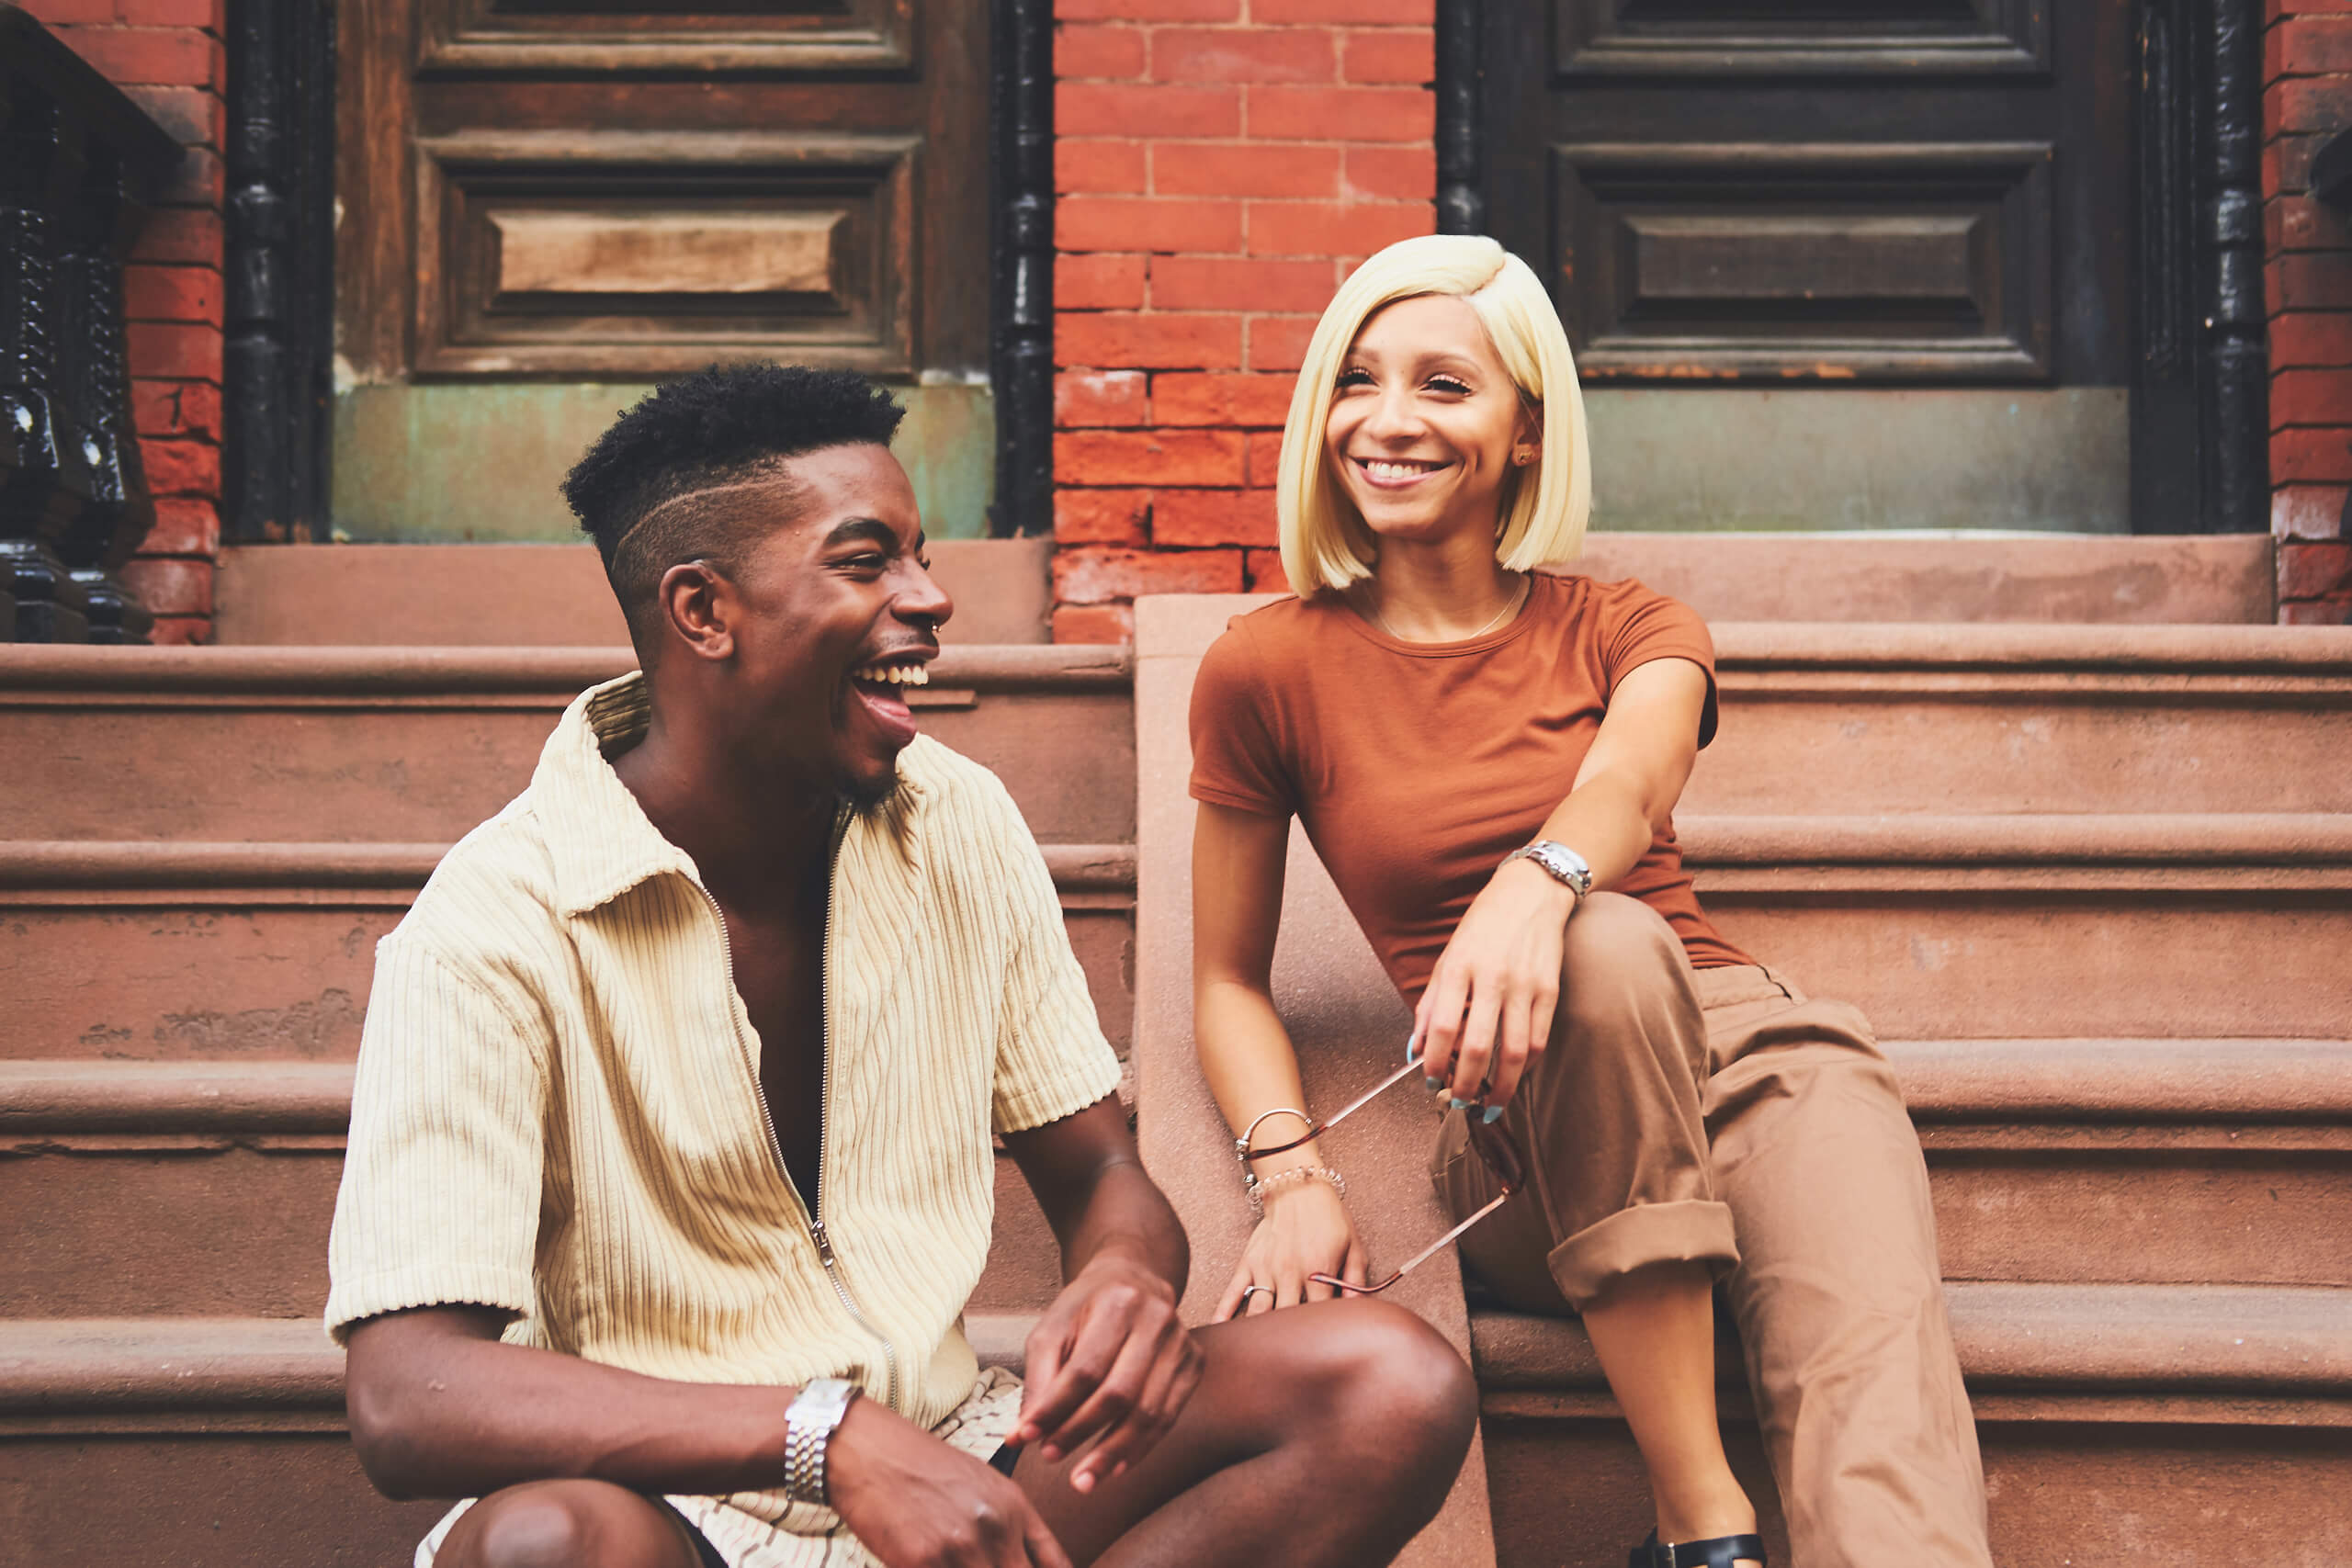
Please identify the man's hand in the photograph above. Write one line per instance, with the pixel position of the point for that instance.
(1110, 1358)
(914, 1502)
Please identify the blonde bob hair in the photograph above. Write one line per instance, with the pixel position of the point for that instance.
(1324, 543)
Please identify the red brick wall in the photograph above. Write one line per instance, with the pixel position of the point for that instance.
(1221, 165)
(2307, 96)
(167, 55)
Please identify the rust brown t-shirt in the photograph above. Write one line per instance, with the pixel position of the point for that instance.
(1417, 767)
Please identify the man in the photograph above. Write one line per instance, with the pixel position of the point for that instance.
(670, 1168)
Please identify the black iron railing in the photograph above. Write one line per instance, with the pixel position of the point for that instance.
(78, 163)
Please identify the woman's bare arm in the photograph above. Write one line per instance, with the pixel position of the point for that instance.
(1247, 1056)
(1487, 1011)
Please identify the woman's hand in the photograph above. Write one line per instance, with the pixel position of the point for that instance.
(1306, 1231)
(1486, 1013)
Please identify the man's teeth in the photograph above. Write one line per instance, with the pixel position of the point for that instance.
(894, 674)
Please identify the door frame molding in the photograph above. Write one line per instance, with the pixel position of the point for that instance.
(2201, 391)
(278, 387)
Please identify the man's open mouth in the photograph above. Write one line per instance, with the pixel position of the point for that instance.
(879, 688)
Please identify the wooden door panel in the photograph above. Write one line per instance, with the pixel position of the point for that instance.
(457, 36)
(1638, 38)
(642, 252)
(1853, 260)
(623, 189)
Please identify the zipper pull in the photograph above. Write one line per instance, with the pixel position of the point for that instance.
(824, 1242)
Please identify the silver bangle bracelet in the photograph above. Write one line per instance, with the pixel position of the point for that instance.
(1241, 1144)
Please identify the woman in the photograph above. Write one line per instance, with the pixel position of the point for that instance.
(1487, 758)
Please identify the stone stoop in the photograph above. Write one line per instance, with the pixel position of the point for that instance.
(2092, 883)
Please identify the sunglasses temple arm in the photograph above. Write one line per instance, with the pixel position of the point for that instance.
(1409, 1069)
(1424, 1256)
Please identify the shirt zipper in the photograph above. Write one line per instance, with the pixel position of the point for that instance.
(817, 1232)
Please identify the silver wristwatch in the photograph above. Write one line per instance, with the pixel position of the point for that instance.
(1563, 862)
(809, 1423)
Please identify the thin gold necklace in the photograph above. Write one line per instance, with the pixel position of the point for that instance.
(1509, 605)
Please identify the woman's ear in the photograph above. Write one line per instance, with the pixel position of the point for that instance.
(1527, 441)
(700, 605)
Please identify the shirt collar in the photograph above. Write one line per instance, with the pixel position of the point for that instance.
(601, 842)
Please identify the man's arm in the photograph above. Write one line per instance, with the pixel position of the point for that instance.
(441, 1408)
(1110, 1358)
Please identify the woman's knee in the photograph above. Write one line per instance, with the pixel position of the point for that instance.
(1612, 932)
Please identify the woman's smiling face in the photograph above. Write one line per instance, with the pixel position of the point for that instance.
(1426, 423)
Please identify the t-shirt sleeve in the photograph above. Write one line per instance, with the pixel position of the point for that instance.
(1643, 625)
(1051, 1058)
(1234, 760)
(440, 1197)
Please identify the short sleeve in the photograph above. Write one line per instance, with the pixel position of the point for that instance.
(440, 1196)
(1051, 1058)
(1642, 626)
(1234, 760)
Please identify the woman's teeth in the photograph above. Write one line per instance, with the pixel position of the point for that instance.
(1381, 470)
(893, 675)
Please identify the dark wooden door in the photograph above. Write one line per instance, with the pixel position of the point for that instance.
(1894, 191)
(624, 189)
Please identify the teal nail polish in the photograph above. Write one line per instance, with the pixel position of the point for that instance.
(1434, 1083)
(1413, 1048)
(1494, 1114)
(1457, 1105)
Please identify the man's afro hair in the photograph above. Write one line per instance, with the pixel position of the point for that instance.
(714, 427)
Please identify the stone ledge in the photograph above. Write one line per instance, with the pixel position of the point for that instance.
(218, 873)
(153, 676)
(1944, 1081)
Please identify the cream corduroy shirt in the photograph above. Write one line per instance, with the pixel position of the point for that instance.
(557, 1109)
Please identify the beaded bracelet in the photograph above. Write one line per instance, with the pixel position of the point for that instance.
(1258, 1187)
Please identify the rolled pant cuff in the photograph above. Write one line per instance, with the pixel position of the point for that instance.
(1693, 1231)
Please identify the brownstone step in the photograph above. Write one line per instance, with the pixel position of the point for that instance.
(1865, 720)
(422, 744)
(198, 950)
(2171, 1426)
(205, 1189)
(1938, 927)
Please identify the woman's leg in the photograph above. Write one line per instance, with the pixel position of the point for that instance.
(1839, 1294)
(1621, 1201)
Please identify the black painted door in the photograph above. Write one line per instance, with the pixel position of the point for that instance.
(1914, 191)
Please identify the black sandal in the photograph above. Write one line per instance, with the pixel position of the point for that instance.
(1720, 1553)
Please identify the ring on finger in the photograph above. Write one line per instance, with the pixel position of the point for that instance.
(1248, 1291)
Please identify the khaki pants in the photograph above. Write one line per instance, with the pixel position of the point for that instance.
(1678, 1107)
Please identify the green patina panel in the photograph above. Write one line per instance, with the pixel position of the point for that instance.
(1695, 460)
(482, 461)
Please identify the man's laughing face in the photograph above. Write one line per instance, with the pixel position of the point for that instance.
(842, 617)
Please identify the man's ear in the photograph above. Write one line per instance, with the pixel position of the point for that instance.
(698, 605)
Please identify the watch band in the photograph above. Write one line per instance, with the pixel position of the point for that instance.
(808, 1425)
(1564, 863)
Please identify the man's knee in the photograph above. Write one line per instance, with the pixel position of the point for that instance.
(566, 1524)
(1394, 1379)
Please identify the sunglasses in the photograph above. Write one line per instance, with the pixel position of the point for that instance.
(1496, 1147)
